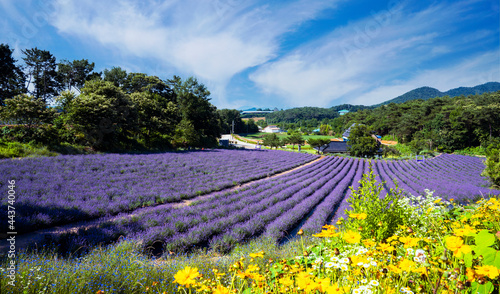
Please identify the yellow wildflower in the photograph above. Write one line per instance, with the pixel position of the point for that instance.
(323, 284)
(186, 276)
(221, 290)
(352, 237)
(395, 269)
(258, 254)
(286, 281)
(406, 265)
(471, 275)
(305, 282)
(465, 231)
(385, 247)
(409, 241)
(488, 270)
(456, 245)
(335, 289)
(358, 215)
(329, 232)
(369, 243)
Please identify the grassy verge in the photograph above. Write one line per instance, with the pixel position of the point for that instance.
(123, 268)
(16, 149)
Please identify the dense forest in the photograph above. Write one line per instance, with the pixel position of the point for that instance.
(443, 123)
(68, 103)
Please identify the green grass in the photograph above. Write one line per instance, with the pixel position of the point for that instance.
(16, 149)
(472, 151)
(122, 268)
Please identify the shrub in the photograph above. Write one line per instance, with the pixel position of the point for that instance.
(372, 213)
(492, 170)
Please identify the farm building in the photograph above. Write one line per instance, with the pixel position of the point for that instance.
(334, 147)
(347, 132)
(272, 129)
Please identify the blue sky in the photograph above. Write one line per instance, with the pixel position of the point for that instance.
(272, 53)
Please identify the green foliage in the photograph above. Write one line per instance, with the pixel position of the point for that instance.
(12, 78)
(9, 149)
(272, 140)
(317, 142)
(383, 214)
(157, 118)
(42, 71)
(325, 130)
(227, 117)
(200, 122)
(295, 139)
(361, 143)
(250, 126)
(492, 170)
(116, 75)
(389, 151)
(26, 109)
(472, 151)
(446, 124)
(103, 114)
(74, 74)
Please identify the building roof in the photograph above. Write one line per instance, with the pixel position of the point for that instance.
(348, 131)
(334, 147)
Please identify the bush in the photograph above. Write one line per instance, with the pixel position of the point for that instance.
(374, 215)
(492, 170)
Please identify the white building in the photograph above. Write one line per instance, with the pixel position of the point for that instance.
(272, 129)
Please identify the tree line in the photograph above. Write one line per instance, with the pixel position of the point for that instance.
(47, 101)
(444, 124)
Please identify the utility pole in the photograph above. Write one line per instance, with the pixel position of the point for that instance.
(232, 130)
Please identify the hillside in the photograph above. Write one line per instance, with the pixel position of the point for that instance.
(428, 92)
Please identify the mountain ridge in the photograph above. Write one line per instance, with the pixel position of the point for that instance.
(429, 92)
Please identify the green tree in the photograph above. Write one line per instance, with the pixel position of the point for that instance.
(200, 121)
(12, 79)
(492, 170)
(227, 117)
(103, 115)
(157, 118)
(26, 109)
(42, 72)
(116, 75)
(251, 126)
(325, 130)
(272, 140)
(361, 143)
(316, 143)
(74, 74)
(295, 139)
(140, 82)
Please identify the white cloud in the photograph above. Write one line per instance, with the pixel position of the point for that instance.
(477, 70)
(213, 40)
(376, 59)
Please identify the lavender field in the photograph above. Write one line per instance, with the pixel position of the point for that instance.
(305, 198)
(57, 190)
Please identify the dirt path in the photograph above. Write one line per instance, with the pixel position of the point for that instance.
(36, 237)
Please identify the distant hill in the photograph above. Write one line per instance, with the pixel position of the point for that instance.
(428, 92)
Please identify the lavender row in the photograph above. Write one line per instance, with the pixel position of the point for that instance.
(258, 223)
(274, 206)
(324, 210)
(73, 188)
(191, 225)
